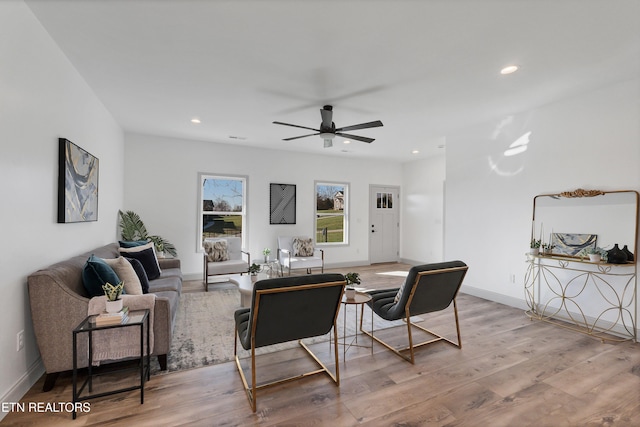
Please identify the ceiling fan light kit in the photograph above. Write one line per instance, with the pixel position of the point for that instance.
(328, 129)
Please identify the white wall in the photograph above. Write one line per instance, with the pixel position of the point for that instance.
(43, 98)
(161, 185)
(423, 210)
(590, 141)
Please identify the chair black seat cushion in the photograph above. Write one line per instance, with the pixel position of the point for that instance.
(289, 315)
(383, 300)
(438, 295)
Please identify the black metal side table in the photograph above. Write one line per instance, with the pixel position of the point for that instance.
(137, 318)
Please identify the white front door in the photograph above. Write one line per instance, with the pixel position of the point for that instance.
(384, 208)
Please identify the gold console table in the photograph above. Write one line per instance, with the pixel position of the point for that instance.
(597, 299)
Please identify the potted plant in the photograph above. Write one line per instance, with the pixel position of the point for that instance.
(534, 247)
(547, 248)
(266, 252)
(254, 269)
(596, 254)
(132, 228)
(160, 249)
(351, 279)
(113, 294)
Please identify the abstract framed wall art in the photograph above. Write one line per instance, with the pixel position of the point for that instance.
(77, 183)
(572, 244)
(282, 204)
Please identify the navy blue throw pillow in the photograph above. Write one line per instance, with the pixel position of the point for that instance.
(148, 260)
(142, 275)
(96, 273)
(132, 244)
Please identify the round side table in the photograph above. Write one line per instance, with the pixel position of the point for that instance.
(360, 299)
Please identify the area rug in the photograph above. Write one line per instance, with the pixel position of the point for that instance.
(204, 330)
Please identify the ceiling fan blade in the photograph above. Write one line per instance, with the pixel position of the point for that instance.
(296, 126)
(298, 137)
(375, 124)
(356, 137)
(327, 116)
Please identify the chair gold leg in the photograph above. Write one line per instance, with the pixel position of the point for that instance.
(251, 391)
(411, 357)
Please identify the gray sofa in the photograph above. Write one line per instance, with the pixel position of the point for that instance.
(59, 302)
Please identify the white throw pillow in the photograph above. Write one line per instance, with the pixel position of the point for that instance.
(127, 274)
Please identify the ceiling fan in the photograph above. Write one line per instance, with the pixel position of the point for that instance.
(328, 129)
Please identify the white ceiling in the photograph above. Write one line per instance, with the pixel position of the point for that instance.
(424, 68)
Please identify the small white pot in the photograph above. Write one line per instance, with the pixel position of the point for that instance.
(534, 251)
(595, 257)
(351, 293)
(113, 306)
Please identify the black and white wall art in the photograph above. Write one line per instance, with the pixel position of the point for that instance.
(282, 204)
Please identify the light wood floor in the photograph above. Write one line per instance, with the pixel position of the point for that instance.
(510, 372)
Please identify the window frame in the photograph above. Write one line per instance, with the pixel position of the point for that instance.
(202, 176)
(345, 212)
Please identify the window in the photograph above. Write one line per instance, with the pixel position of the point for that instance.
(331, 213)
(223, 207)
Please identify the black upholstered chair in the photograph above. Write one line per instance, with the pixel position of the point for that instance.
(288, 309)
(427, 288)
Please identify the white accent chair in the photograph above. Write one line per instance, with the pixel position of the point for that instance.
(289, 259)
(235, 264)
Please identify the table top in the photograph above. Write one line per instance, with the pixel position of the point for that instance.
(136, 317)
(360, 298)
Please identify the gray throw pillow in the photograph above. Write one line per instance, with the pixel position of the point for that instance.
(302, 246)
(216, 250)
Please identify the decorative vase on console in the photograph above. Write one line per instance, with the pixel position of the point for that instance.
(628, 252)
(616, 255)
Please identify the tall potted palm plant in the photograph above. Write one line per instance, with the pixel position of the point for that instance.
(132, 228)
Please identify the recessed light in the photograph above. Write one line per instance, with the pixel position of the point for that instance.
(509, 69)
(195, 120)
(346, 141)
(415, 152)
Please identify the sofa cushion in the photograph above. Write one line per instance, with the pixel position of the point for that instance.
(142, 275)
(227, 267)
(127, 274)
(171, 272)
(147, 256)
(165, 284)
(95, 273)
(302, 246)
(216, 250)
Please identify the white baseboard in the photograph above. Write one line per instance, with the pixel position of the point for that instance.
(346, 264)
(24, 384)
(494, 296)
(194, 276)
(410, 261)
